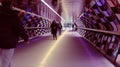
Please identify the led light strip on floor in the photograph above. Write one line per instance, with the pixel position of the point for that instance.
(44, 60)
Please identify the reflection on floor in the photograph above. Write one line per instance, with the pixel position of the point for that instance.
(71, 51)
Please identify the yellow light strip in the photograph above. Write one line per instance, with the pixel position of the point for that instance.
(51, 49)
(52, 9)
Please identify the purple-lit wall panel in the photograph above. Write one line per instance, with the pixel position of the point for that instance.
(106, 13)
(103, 1)
(99, 3)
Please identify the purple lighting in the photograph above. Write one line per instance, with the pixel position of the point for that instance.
(96, 11)
(103, 1)
(99, 3)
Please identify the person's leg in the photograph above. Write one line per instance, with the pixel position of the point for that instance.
(6, 55)
(56, 36)
(53, 36)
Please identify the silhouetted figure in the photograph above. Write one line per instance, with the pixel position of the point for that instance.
(54, 27)
(59, 28)
(74, 26)
(10, 30)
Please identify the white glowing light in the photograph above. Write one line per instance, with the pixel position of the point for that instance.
(65, 9)
(51, 50)
(52, 9)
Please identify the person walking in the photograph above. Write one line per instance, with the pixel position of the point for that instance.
(59, 28)
(54, 27)
(10, 30)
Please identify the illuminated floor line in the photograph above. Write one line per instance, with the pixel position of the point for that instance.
(51, 50)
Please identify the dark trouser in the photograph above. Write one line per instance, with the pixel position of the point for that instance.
(54, 36)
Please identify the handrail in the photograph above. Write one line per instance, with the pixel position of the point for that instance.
(21, 10)
(101, 31)
(36, 27)
(17, 9)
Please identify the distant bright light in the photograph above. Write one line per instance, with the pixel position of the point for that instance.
(65, 9)
(52, 9)
(51, 50)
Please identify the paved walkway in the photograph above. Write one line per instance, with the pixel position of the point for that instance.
(69, 51)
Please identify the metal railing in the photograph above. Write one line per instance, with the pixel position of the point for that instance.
(36, 30)
(101, 31)
(107, 42)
